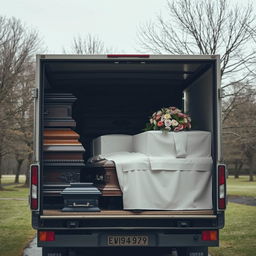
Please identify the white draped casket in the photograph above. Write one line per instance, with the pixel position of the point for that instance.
(163, 171)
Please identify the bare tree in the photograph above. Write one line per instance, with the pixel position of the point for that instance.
(239, 129)
(17, 46)
(23, 125)
(215, 27)
(88, 45)
(206, 27)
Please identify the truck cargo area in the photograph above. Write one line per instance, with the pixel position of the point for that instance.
(117, 96)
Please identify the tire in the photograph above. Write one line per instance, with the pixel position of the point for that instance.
(52, 251)
(193, 251)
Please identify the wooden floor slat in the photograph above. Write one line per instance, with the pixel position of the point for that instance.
(126, 213)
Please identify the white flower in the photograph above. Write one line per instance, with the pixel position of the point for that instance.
(167, 123)
(151, 120)
(159, 112)
(174, 123)
(167, 116)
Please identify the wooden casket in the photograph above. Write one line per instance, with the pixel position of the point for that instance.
(62, 144)
(103, 175)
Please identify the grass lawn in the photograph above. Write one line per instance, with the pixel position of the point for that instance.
(15, 221)
(241, 186)
(238, 236)
(7, 179)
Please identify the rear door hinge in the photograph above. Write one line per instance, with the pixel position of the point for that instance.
(221, 93)
(35, 93)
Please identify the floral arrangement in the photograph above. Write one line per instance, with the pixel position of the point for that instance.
(169, 119)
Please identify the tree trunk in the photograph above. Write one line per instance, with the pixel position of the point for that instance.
(251, 166)
(26, 184)
(238, 167)
(1, 187)
(17, 175)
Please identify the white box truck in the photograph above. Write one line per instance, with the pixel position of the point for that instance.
(115, 94)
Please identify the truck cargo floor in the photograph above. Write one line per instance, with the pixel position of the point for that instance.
(52, 214)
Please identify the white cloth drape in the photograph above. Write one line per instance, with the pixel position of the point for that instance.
(168, 171)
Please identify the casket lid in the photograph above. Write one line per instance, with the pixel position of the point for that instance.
(81, 188)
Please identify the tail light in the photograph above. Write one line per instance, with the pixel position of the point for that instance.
(46, 236)
(34, 172)
(209, 235)
(222, 187)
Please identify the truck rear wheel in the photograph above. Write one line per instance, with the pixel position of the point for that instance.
(52, 251)
(193, 251)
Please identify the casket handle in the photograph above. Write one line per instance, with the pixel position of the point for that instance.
(81, 205)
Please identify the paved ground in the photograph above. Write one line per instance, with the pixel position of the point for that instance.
(248, 200)
(32, 249)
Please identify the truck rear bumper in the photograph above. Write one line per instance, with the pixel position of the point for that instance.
(128, 222)
(181, 238)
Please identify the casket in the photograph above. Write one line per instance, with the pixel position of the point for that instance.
(112, 143)
(60, 144)
(61, 136)
(80, 197)
(60, 152)
(103, 175)
(62, 171)
(167, 171)
(185, 144)
(58, 110)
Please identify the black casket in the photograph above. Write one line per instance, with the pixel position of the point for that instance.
(81, 197)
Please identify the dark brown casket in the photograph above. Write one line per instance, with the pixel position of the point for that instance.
(103, 175)
(62, 171)
(58, 110)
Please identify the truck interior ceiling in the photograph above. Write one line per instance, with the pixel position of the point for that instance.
(119, 96)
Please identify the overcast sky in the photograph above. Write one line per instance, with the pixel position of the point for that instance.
(115, 22)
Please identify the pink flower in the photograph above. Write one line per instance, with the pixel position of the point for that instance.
(179, 128)
(160, 123)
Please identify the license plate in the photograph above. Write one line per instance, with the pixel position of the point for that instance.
(128, 240)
